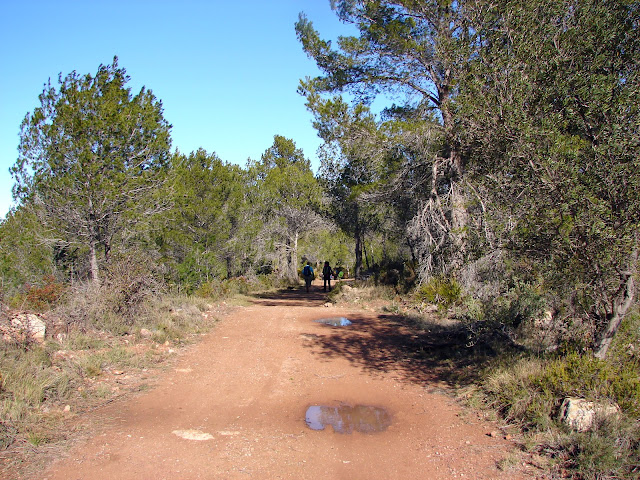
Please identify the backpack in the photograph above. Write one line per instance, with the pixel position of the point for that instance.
(306, 271)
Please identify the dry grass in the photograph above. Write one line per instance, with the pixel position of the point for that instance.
(45, 387)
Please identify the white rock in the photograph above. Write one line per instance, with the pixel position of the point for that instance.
(193, 435)
(580, 414)
(34, 326)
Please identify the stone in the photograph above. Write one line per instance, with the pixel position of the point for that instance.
(193, 435)
(579, 414)
(430, 308)
(146, 333)
(33, 325)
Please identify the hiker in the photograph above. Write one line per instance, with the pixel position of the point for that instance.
(307, 273)
(326, 276)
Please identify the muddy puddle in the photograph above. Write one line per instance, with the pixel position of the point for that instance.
(334, 321)
(348, 419)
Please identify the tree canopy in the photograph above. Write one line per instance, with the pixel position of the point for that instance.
(506, 148)
(89, 156)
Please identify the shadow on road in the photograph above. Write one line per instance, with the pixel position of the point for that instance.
(393, 344)
(295, 297)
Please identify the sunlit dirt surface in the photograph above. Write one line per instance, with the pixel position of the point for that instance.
(235, 407)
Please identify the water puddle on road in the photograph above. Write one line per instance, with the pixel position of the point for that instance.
(335, 321)
(347, 419)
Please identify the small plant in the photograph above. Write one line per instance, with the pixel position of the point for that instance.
(90, 365)
(440, 291)
(36, 439)
(609, 450)
(529, 391)
(39, 298)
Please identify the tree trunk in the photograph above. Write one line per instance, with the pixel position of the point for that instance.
(458, 200)
(621, 305)
(366, 256)
(459, 226)
(358, 234)
(294, 256)
(93, 263)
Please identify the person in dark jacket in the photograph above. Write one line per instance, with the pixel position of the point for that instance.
(326, 276)
(307, 273)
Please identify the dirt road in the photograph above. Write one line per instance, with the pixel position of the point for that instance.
(234, 407)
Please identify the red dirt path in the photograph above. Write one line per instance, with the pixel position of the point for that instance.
(246, 386)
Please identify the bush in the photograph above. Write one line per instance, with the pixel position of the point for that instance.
(440, 291)
(608, 451)
(39, 298)
(219, 289)
(115, 305)
(517, 316)
(530, 391)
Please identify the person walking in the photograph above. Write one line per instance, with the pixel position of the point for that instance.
(326, 276)
(307, 273)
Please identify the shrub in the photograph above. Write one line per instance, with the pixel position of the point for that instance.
(41, 297)
(530, 391)
(610, 450)
(440, 291)
(129, 284)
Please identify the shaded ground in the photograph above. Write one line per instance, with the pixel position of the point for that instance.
(234, 406)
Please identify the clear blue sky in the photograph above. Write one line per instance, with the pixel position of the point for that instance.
(226, 71)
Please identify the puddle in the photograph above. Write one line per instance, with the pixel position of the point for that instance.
(335, 321)
(347, 419)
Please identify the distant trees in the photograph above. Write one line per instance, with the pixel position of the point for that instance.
(286, 196)
(199, 232)
(517, 132)
(347, 158)
(412, 52)
(90, 154)
(511, 133)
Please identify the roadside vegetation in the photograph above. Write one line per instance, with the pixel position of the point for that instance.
(495, 193)
(514, 375)
(103, 342)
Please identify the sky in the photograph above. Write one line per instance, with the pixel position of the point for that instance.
(225, 71)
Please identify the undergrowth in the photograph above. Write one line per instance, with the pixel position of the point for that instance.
(530, 372)
(37, 381)
(528, 391)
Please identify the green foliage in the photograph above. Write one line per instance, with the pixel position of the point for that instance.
(440, 291)
(24, 259)
(550, 119)
(608, 451)
(223, 289)
(285, 197)
(215, 289)
(529, 391)
(39, 298)
(90, 156)
(202, 235)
